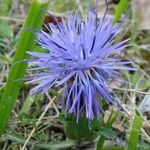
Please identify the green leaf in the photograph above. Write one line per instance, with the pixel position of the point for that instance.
(135, 78)
(134, 136)
(17, 70)
(107, 133)
(83, 130)
(5, 29)
(70, 130)
(1, 92)
(38, 146)
(147, 84)
(122, 6)
(6, 59)
(27, 119)
(27, 104)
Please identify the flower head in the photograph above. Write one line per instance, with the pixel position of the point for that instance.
(80, 59)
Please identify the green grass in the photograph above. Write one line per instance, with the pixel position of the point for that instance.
(17, 71)
(121, 7)
(135, 132)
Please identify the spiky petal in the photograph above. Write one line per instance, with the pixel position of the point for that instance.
(79, 58)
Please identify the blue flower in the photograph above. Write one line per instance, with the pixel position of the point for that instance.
(80, 58)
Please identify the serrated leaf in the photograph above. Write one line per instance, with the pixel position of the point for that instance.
(70, 130)
(83, 130)
(107, 133)
(26, 119)
(27, 104)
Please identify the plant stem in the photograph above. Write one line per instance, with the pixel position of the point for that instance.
(18, 69)
(109, 123)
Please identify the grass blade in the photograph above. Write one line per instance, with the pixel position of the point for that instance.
(122, 6)
(17, 70)
(49, 146)
(134, 136)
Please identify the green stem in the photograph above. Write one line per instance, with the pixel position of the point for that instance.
(17, 70)
(109, 123)
(100, 143)
(135, 132)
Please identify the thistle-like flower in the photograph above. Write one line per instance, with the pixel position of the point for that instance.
(80, 58)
